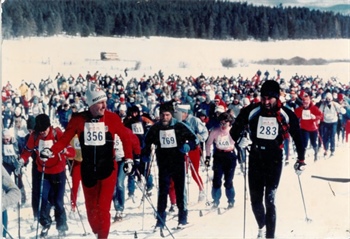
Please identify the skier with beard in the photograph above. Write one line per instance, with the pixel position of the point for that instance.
(267, 123)
(172, 140)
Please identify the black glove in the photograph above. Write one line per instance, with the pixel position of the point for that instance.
(299, 166)
(207, 161)
(128, 166)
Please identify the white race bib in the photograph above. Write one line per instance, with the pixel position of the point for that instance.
(94, 134)
(76, 143)
(9, 150)
(44, 144)
(306, 114)
(167, 138)
(118, 146)
(267, 128)
(223, 142)
(137, 128)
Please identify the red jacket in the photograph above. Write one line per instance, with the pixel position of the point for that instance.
(54, 165)
(113, 125)
(305, 122)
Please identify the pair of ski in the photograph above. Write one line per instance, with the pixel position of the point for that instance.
(218, 210)
(173, 230)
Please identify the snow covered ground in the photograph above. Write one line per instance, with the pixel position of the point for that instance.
(327, 203)
(327, 206)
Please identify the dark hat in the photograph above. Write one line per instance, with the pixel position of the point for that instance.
(134, 108)
(167, 107)
(306, 92)
(270, 88)
(226, 117)
(31, 122)
(201, 112)
(42, 122)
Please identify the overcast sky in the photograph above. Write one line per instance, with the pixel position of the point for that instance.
(299, 3)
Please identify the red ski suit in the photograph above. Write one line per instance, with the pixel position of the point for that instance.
(98, 168)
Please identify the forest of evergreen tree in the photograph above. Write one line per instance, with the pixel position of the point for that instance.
(202, 19)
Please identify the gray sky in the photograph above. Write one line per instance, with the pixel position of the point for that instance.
(297, 3)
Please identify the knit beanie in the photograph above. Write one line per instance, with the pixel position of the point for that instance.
(6, 133)
(167, 107)
(271, 89)
(94, 94)
(183, 108)
(329, 96)
(42, 122)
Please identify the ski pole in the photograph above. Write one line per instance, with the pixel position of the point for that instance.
(147, 174)
(80, 217)
(40, 199)
(156, 212)
(197, 176)
(302, 196)
(18, 209)
(243, 158)
(7, 232)
(186, 164)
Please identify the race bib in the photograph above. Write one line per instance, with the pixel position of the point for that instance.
(118, 147)
(167, 138)
(9, 150)
(306, 114)
(94, 134)
(267, 128)
(223, 142)
(44, 144)
(76, 143)
(137, 128)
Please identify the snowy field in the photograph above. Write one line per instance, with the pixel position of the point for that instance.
(327, 203)
(326, 213)
(33, 59)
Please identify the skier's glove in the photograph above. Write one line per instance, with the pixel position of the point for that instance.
(207, 161)
(299, 166)
(128, 166)
(45, 154)
(137, 161)
(185, 148)
(244, 142)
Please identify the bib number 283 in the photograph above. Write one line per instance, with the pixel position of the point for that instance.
(267, 128)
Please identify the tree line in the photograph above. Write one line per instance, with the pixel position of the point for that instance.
(202, 19)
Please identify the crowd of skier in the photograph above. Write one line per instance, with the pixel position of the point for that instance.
(85, 124)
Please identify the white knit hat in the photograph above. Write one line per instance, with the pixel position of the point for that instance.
(184, 108)
(219, 109)
(94, 94)
(329, 96)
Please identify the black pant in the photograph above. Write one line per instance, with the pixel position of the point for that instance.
(171, 168)
(265, 167)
